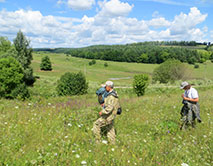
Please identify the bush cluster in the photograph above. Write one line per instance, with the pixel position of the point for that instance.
(72, 84)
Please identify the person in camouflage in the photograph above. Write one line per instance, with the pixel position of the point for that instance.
(107, 115)
(191, 109)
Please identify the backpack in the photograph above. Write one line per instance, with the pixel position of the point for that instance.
(101, 93)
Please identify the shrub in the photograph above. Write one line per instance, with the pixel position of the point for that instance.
(29, 79)
(92, 62)
(196, 66)
(46, 64)
(72, 84)
(105, 64)
(169, 71)
(12, 79)
(140, 84)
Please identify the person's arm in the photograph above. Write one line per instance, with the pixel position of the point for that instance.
(192, 100)
(189, 99)
(108, 106)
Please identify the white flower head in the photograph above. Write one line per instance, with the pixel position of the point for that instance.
(184, 164)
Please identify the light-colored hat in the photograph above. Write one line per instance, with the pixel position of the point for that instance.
(183, 84)
(109, 83)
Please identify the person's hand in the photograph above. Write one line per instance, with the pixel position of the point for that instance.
(182, 96)
(100, 113)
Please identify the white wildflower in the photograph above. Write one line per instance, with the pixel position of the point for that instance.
(84, 163)
(69, 124)
(66, 136)
(104, 142)
(77, 156)
(113, 149)
(184, 164)
(204, 136)
(144, 141)
(16, 107)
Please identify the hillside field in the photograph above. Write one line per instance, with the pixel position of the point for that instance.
(52, 130)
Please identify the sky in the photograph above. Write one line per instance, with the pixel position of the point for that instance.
(80, 23)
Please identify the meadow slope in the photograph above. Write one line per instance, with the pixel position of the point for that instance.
(52, 130)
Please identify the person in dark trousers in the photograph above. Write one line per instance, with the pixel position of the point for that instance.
(191, 109)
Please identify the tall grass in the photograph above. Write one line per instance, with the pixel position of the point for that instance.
(51, 130)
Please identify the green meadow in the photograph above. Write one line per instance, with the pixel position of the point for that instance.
(51, 130)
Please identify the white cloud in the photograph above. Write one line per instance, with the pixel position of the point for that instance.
(159, 22)
(80, 4)
(114, 8)
(2, 1)
(183, 22)
(52, 31)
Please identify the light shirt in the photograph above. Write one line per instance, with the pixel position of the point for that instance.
(191, 93)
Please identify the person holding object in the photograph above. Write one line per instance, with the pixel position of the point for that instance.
(191, 109)
(107, 115)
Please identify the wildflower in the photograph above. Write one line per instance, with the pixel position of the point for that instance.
(104, 142)
(144, 141)
(77, 156)
(83, 162)
(16, 107)
(113, 149)
(49, 103)
(29, 104)
(66, 136)
(69, 124)
(204, 136)
(90, 151)
(56, 154)
(184, 164)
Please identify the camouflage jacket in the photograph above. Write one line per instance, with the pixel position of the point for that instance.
(111, 105)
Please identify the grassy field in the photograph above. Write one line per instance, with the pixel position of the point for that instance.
(52, 130)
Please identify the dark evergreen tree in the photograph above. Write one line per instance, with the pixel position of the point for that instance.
(46, 64)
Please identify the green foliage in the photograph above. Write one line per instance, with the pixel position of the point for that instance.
(140, 83)
(196, 66)
(92, 62)
(169, 71)
(12, 79)
(29, 79)
(5, 45)
(72, 84)
(24, 51)
(46, 64)
(105, 64)
(24, 56)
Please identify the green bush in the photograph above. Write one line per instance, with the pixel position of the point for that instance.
(29, 79)
(46, 64)
(92, 62)
(169, 71)
(196, 66)
(12, 79)
(105, 64)
(72, 84)
(140, 84)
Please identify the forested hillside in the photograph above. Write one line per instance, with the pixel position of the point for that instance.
(145, 52)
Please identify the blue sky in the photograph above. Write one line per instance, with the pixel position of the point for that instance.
(79, 23)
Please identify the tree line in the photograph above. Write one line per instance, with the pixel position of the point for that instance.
(147, 52)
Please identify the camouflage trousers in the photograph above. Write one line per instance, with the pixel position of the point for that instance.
(189, 113)
(101, 123)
